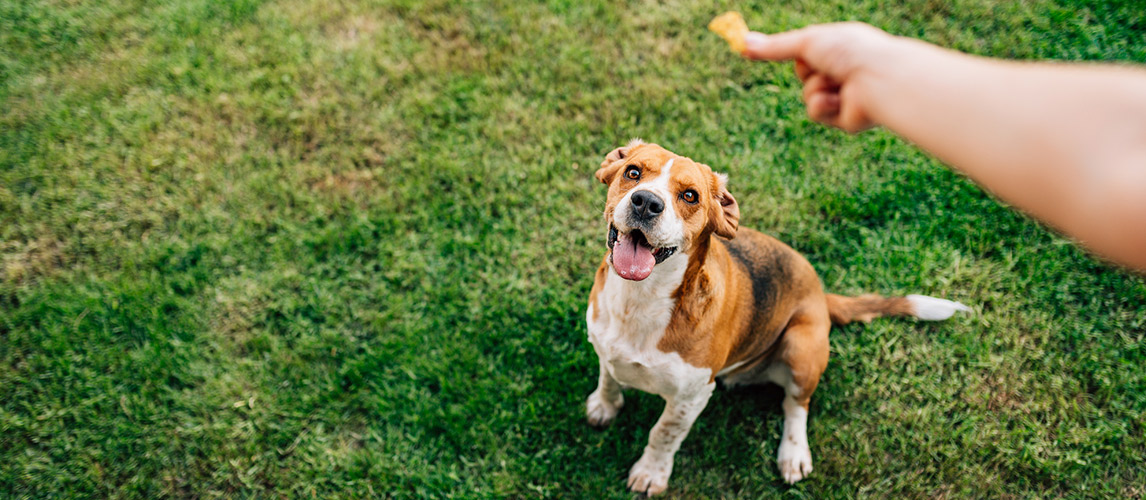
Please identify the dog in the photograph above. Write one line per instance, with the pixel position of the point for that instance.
(684, 296)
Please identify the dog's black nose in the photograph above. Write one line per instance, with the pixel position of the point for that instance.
(647, 205)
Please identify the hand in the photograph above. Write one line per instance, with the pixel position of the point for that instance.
(838, 63)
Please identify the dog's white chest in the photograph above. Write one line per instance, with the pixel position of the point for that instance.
(631, 322)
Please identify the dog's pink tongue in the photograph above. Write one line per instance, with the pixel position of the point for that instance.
(632, 261)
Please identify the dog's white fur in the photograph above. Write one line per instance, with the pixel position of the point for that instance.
(934, 308)
(668, 230)
(632, 319)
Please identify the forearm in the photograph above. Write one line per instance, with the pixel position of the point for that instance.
(1066, 143)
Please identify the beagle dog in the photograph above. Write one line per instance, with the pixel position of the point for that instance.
(684, 296)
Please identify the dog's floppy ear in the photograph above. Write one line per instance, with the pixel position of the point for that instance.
(726, 218)
(612, 165)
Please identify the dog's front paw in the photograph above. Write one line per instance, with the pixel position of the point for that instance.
(795, 461)
(600, 410)
(650, 475)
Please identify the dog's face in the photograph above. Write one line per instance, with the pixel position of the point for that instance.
(660, 204)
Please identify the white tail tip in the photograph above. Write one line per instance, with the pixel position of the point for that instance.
(934, 309)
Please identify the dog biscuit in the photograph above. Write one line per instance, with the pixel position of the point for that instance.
(732, 28)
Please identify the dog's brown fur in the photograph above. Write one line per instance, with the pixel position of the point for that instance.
(747, 308)
(724, 315)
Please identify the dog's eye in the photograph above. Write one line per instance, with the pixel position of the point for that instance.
(633, 172)
(690, 196)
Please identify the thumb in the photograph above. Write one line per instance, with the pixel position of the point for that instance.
(777, 47)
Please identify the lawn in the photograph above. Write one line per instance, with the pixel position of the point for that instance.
(310, 249)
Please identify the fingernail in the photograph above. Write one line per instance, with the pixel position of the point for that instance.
(755, 41)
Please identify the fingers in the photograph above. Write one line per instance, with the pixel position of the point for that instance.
(817, 83)
(820, 51)
(824, 101)
(803, 71)
(824, 108)
(852, 118)
(777, 47)
(821, 97)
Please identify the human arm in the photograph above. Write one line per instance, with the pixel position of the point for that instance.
(1064, 142)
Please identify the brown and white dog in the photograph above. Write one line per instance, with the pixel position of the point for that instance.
(684, 296)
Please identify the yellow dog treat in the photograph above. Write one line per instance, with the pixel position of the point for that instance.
(731, 27)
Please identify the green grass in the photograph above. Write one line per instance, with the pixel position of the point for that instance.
(338, 250)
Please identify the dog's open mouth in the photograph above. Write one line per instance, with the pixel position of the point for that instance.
(633, 256)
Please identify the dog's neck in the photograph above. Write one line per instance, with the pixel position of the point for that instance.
(646, 306)
(698, 257)
(641, 310)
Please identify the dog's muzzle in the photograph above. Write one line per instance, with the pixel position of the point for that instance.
(632, 256)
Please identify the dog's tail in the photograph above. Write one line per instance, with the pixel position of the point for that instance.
(844, 310)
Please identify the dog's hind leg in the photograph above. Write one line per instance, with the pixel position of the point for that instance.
(801, 360)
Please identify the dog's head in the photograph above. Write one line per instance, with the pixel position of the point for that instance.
(659, 205)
